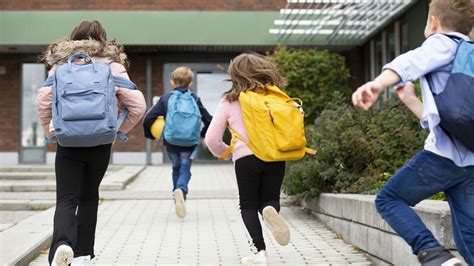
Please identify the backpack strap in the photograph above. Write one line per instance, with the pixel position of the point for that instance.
(454, 37)
(235, 135)
(123, 83)
(310, 151)
(49, 81)
(50, 140)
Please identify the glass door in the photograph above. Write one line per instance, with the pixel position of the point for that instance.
(210, 87)
(32, 136)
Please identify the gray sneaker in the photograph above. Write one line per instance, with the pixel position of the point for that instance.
(438, 256)
(180, 204)
(63, 256)
(277, 225)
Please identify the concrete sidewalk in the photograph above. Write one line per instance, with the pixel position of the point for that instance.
(137, 231)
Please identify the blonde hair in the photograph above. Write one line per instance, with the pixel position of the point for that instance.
(456, 15)
(251, 72)
(182, 76)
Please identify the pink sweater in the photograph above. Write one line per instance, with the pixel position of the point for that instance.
(132, 99)
(227, 113)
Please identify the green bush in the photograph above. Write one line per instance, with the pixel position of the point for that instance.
(357, 151)
(313, 76)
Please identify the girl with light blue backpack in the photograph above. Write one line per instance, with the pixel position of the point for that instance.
(87, 102)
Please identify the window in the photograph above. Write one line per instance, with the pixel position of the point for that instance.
(210, 87)
(385, 47)
(32, 135)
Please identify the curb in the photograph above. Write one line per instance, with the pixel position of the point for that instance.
(27, 238)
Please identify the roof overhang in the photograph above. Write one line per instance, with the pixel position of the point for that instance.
(149, 28)
(337, 22)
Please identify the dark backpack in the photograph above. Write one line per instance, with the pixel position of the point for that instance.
(456, 103)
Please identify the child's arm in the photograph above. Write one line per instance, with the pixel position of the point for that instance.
(437, 51)
(216, 130)
(408, 96)
(205, 117)
(44, 105)
(133, 100)
(44, 102)
(158, 110)
(366, 95)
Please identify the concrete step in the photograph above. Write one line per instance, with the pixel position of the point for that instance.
(26, 175)
(31, 175)
(26, 205)
(43, 168)
(116, 180)
(26, 168)
(46, 185)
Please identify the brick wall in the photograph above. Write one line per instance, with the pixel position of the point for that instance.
(258, 5)
(137, 73)
(10, 104)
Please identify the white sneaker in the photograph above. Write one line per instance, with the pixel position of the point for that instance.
(277, 225)
(63, 256)
(180, 205)
(259, 259)
(81, 261)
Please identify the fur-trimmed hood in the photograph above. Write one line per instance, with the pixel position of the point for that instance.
(60, 51)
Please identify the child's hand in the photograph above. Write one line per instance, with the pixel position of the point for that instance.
(406, 93)
(408, 97)
(366, 95)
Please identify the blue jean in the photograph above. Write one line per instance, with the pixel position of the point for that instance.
(181, 169)
(425, 175)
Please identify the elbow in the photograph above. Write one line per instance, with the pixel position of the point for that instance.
(210, 144)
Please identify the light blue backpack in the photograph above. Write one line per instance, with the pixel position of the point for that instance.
(183, 120)
(84, 104)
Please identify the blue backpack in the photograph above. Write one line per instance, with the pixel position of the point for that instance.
(456, 103)
(84, 104)
(183, 120)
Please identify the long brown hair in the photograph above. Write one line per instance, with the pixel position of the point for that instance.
(251, 72)
(89, 30)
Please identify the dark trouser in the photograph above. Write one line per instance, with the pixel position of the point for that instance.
(425, 175)
(79, 172)
(259, 185)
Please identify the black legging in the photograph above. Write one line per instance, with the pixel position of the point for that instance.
(79, 172)
(259, 185)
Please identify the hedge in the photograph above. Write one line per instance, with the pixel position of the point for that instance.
(357, 151)
(313, 76)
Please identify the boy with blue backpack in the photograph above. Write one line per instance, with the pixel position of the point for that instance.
(183, 112)
(445, 66)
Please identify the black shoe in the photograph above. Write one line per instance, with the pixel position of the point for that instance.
(438, 256)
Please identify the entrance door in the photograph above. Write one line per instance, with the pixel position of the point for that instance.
(32, 136)
(209, 84)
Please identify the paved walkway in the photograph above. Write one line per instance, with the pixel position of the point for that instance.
(140, 229)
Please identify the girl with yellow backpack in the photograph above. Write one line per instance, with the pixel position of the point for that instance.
(267, 130)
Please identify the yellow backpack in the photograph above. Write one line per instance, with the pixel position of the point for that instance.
(274, 125)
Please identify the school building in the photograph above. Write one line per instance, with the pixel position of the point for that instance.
(160, 35)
